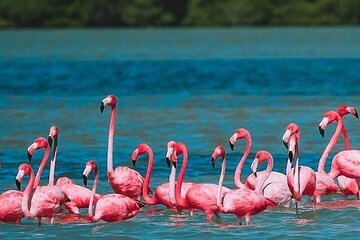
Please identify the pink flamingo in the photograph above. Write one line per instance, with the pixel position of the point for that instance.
(275, 187)
(10, 206)
(123, 180)
(161, 195)
(78, 195)
(171, 148)
(243, 201)
(348, 186)
(324, 183)
(199, 196)
(346, 162)
(301, 179)
(45, 201)
(110, 207)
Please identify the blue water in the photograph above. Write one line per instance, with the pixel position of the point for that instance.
(195, 86)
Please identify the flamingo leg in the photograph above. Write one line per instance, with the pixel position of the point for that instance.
(239, 219)
(297, 209)
(191, 212)
(39, 221)
(51, 220)
(247, 219)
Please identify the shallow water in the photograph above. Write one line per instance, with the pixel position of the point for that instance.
(195, 86)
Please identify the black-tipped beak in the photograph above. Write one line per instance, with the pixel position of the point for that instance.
(285, 144)
(174, 164)
(50, 141)
(102, 107)
(255, 174)
(133, 162)
(29, 156)
(356, 114)
(321, 131)
(231, 146)
(85, 180)
(18, 184)
(213, 162)
(291, 156)
(168, 162)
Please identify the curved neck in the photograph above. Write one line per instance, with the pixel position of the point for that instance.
(42, 165)
(26, 200)
(346, 138)
(111, 141)
(220, 184)
(172, 181)
(296, 176)
(91, 202)
(181, 201)
(53, 163)
(331, 144)
(237, 175)
(147, 198)
(264, 176)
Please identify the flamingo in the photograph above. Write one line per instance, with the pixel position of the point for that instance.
(324, 183)
(243, 201)
(199, 196)
(110, 207)
(10, 206)
(161, 195)
(301, 180)
(346, 162)
(275, 187)
(78, 195)
(45, 201)
(348, 186)
(123, 180)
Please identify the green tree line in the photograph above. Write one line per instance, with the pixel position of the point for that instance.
(144, 13)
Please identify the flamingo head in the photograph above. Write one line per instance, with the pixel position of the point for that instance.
(171, 149)
(23, 169)
(293, 141)
(239, 134)
(219, 151)
(140, 149)
(260, 157)
(53, 135)
(328, 118)
(89, 167)
(291, 129)
(108, 101)
(37, 144)
(343, 110)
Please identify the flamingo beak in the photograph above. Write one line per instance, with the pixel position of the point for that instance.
(321, 131)
(213, 162)
(133, 162)
(231, 146)
(18, 184)
(285, 144)
(168, 161)
(102, 106)
(291, 156)
(174, 164)
(29, 155)
(356, 114)
(50, 141)
(85, 180)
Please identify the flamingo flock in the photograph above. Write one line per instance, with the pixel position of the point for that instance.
(132, 192)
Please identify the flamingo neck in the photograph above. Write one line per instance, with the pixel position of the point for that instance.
(110, 168)
(220, 183)
(42, 166)
(270, 165)
(53, 163)
(181, 201)
(237, 175)
(172, 186)
(91, 202)
(346, 138)
(331, 144)
(26, 200)
(296, 176)
(147, 198)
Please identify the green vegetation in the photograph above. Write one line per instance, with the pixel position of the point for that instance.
(143, 13)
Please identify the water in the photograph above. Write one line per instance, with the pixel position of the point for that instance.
(195, 86)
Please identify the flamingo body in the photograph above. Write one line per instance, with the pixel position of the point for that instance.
(10, 206)
(307, 182)
(124, 180)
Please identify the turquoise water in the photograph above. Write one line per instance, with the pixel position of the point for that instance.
(195, 86)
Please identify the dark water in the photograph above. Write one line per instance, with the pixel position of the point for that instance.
(196, 86)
